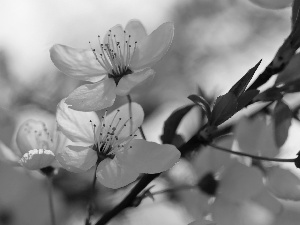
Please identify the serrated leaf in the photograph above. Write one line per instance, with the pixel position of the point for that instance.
(224, 108)
(239, 88)
(282, 121)
(246, 98)
(198, 100)
(271, 95)
(171, 124)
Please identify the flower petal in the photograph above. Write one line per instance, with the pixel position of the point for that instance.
(247, 132)
(268, 201)
(76, 125)
(152, 48)
(137, 31)
(202, 222)
(80, 64)
(112, 175)
(115, 34)
(128, 82)
(37, 159)
(60, 141)
(240, 182)
(210, 160)
(225, 212)
(284, 184)
(33, 134)
(123, 113)
(256, 136)
(149, 157)
(93, 97)
(77, 158)
(7, 155)
(266, 142)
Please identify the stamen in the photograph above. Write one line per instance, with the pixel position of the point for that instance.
(94, 130)
(115, 56)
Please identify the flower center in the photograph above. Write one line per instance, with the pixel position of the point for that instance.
(35, 135)
(107, 141)
(115, 56)
(208, 184)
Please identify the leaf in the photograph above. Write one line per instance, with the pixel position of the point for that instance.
(239, 88)
(246, 98)
(224, 108)
(295, 11)
(198, 100)
(271, 94)
(291, 71)
(291, 87)
(171, 124)
(282, 121)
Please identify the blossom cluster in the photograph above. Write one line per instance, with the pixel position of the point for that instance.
(81, 140)
(91, 133)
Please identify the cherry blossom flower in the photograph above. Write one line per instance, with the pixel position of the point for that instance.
(36, 146)
(112, 145)
(229, 190)
(123, 62)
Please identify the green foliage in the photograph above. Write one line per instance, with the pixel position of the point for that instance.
(282, 117)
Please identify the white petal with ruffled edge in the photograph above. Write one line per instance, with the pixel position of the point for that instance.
(152, 48)
(33, 134)
(37, 159)
(137, 30)
(240, 182)
(113, 175)
(123, 112)
(76, 125)
(80, 64)
(149, 157)
(77, 158)
(128, 82)
(93, 97)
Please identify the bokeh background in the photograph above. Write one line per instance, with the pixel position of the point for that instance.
(215, 43)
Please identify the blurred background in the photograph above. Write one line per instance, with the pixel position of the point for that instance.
(215, 43)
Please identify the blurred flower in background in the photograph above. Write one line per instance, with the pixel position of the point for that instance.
(215, 43)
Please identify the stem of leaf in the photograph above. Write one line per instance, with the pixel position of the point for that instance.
(92, 193)
(50, 197)
(251, 156)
